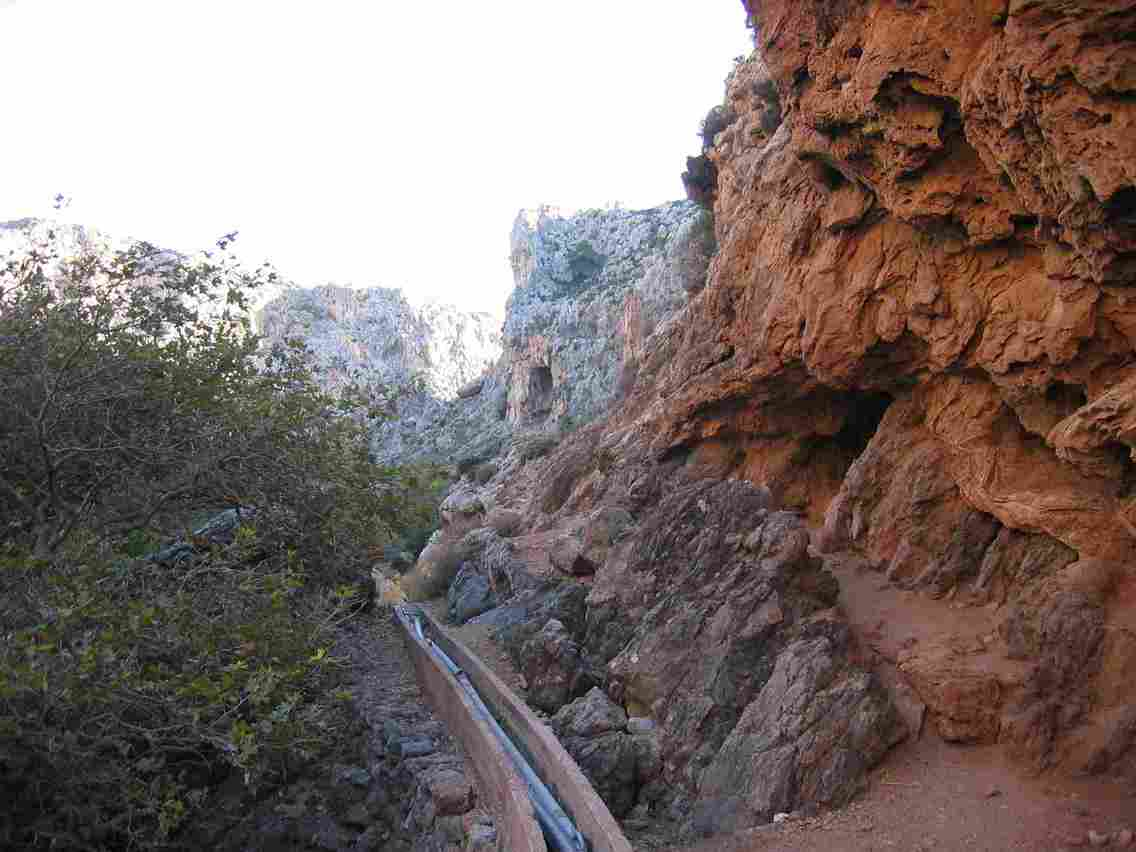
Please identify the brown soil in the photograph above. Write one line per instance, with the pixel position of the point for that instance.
(930, 794)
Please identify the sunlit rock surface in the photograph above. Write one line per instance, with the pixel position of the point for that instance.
(917, 338)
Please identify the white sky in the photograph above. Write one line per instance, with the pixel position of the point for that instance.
(368, 142)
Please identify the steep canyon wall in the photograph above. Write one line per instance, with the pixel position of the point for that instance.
(938, 239)
(914, 354)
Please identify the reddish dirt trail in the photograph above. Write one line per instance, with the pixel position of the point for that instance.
(930, 794)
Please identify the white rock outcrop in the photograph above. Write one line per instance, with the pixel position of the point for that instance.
(376, 335)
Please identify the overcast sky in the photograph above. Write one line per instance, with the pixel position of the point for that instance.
(359, 141)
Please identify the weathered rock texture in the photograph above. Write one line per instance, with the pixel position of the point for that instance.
(590, 289)
(916, 338)
(704, 616)
(926, 269)
(731, 643)
(377, 336)
(429, 355)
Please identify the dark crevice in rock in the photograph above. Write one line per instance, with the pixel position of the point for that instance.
(865, 414)
(1122, 206)
(1068, 396)
(539, 402)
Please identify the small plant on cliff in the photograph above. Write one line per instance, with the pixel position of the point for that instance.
(718, 119)
(766, 90)
(136, 400)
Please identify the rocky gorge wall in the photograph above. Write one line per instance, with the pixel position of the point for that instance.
(590, 288)
(938, 239)
(376, 337)
(914, 355)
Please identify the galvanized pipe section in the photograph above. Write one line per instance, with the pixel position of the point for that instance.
(542, 750)
(502, 787)
(557, 825)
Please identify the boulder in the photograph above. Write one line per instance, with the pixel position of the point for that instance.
(603, 528)
(471, 389)
(552, 665)
(567, 557)
(732, 642)
(469, 595)
(608, 760)
(810, 735)
(462, 510)
(592, 714)
(506, 522)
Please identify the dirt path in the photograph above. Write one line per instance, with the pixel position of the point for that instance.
(419, 775)
(930, 794)
(384, 683)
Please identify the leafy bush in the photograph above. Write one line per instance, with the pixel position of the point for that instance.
(137, 399)
(133, 687)
(718, 119)
(425, 487)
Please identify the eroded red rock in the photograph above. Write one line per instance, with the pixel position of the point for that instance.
(918, 337)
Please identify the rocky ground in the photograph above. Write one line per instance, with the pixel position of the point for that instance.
(928, 794)
(430, 794)
(401, 785)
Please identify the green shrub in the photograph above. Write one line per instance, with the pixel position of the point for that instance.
(129, 689)
(136, 399)
(717, 119)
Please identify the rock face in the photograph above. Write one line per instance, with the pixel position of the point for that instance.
(924, 269)
(430, 353)
(377, 336)
(706, 620)
(590, 289)
(616, 761)
(732, 645)
(914, 352)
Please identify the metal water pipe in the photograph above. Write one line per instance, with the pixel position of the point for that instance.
(557, 826)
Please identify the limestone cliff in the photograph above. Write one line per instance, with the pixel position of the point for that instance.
(590, 288)
(917, 337)
(376, 335)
